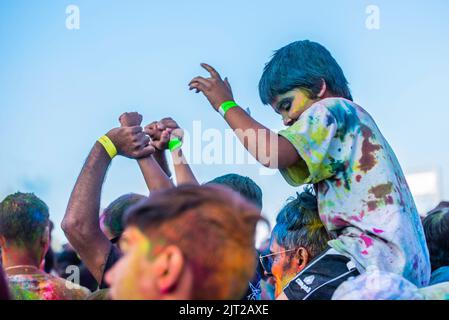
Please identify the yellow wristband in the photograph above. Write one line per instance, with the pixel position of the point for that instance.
(108, 146)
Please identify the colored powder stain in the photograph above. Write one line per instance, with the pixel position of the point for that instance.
(372, 205)
(358, 178)
(338, 222)
(389, 200)
(345, 116)
(341, 167)
(368, 160)
(355, 218)
(382, 190)
(377, 231)
(415, 262)
(364, 252)
(362, 214)
(320, 135)
(367, 240)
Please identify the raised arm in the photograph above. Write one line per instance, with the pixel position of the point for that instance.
(154, 175)
(270, 149)
(161, 133)
(81, 221)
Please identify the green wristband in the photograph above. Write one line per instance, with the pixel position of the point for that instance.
(174, 144)
(225, 106)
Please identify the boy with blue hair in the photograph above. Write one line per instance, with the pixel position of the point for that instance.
(334, 144)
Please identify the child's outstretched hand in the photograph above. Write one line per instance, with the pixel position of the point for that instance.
(214, 88)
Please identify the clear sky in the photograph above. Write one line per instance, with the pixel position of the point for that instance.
(61, 89)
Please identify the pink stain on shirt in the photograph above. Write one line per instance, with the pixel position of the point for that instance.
(368, 241)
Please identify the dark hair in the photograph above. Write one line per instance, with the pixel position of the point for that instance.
(23, 218)
(298, 225)
(213, 226)
(302, 64)
(436, 229)
(243, 185)
(112, 216)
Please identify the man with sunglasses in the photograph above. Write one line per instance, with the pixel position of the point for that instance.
(298, 240)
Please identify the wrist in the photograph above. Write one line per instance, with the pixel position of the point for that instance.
(108, 146)
(174, 144)
(98, 157)
(226, 106)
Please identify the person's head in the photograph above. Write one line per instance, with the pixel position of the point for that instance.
(111, 219)
(189, 242)
(436, 229)
(245, 186)
(297, 238)
(297, 76)
(24, 226)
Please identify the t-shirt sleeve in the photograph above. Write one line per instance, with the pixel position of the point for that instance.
(312, 136)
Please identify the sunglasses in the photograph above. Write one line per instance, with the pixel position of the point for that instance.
(267, 260)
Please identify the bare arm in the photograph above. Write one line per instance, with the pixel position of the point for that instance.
(81, 224)
(270, 149)
(81, 221)
(183, 172)
(153, 174)
(161, 159)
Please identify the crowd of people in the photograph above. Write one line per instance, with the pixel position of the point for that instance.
(352, 233)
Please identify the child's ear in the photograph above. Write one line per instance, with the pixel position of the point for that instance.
(302, 257)
(323, 89)
(170, 268)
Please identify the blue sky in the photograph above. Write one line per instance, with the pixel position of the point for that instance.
(61, 89)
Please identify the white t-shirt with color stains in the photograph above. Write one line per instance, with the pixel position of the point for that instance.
(363, 198)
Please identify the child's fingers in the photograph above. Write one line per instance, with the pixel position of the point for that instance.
(201, 80)
(211, 70)
(227, 83)
(198, 86)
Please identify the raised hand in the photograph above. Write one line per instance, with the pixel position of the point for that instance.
(130, 119)
(131, 142)
(214, 88)
(162, 131)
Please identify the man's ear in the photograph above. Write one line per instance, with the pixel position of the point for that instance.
(169, 268)
(302, 258)
(323, 89)
(45, 239)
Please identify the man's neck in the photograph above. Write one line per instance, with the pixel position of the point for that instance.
(13, 257)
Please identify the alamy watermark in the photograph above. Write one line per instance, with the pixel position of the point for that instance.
(372, 21)
(73, 18)
(214, 147)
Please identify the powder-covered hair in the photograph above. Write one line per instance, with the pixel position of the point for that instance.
(112, 216)
(245, 186)
(23, 218)
(213, 226)
(298, 225)
(436, 229)
(302, 64)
